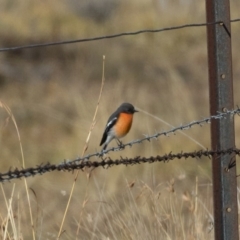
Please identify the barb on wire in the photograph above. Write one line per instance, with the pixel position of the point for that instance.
(106, 163)
(110, 36)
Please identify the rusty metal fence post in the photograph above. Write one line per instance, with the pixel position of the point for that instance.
(222, 130)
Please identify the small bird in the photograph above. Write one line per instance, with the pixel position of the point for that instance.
(118, 124)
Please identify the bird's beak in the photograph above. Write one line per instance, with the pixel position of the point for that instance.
(136, 110)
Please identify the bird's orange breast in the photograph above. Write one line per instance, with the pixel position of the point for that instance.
(123, 124)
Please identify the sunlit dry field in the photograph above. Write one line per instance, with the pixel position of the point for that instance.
(52, 93)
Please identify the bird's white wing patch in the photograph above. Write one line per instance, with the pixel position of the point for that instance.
(111, 123)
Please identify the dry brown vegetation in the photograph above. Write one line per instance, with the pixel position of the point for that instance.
(53, 92)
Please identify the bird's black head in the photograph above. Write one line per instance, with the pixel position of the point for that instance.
(127, 108)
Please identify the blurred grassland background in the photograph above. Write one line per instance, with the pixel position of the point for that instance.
(53, 91)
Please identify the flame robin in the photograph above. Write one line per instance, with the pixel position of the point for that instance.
(118, 124)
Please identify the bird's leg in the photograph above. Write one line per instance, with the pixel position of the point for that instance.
(120, 144)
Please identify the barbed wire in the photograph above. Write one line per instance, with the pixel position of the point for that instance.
(84, 162)
(106, 163)
(112, 36)
(207, 120)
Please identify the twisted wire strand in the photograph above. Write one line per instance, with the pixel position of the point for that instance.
(81, 163)
(48, 44)
(106, 163)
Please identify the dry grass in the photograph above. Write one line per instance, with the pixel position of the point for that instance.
(52, 93)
